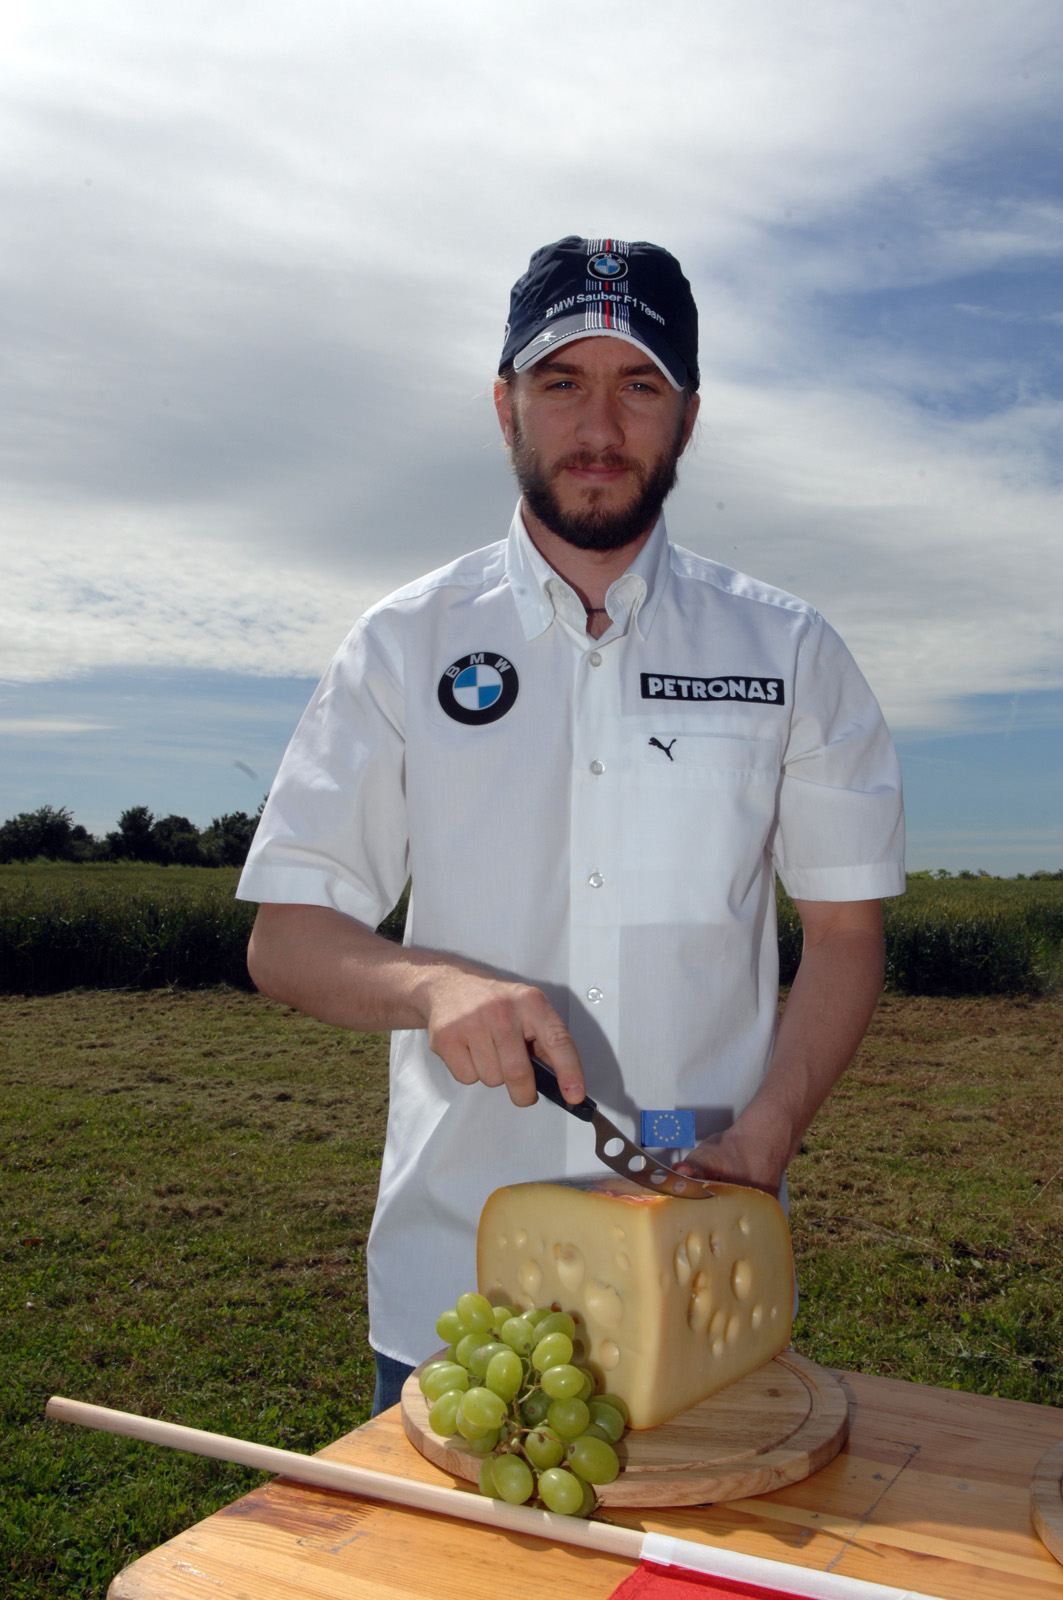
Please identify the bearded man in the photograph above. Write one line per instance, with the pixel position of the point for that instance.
(592, 751)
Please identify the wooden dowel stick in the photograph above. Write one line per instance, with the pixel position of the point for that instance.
(631, 1544)
(469, 1506)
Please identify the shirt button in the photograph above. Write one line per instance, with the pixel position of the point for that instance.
(595, 658)
(594, 995)
(597, 767)
(595, 880)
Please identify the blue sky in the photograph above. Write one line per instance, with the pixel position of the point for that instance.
(251, 299)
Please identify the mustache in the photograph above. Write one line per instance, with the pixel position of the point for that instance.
(590, 458)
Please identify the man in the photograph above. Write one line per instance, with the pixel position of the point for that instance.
(591, 751)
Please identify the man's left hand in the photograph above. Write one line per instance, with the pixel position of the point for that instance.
(731, 1158)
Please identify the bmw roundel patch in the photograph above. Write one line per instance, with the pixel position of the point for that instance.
(479, 688)
(608, 266)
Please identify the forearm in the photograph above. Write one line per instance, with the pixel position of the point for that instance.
(480, 1025)
(826, 1014)
(340, 971)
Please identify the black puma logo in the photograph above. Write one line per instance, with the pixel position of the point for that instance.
(667, 748)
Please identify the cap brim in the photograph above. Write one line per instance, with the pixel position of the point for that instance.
(566, 330)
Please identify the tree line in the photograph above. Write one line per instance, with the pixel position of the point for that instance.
(51, 834)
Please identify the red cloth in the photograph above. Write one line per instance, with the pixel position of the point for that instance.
(650, 1582)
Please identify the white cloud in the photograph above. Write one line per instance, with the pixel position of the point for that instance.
(934, 550)
(45, 727)
(167, 597)
(262, 261)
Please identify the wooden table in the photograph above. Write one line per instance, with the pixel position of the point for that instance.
(930, 1493)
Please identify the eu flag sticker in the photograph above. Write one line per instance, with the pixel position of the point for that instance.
(668, 1130)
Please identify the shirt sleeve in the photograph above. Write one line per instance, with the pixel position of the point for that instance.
(840, 834)
(334, 829)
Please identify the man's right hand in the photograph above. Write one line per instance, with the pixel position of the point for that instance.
(340, 971)
(482, 1027)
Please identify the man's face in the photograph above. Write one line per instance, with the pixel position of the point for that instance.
(595, 433)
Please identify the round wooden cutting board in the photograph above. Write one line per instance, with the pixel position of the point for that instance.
(775, 1426)
(1046, 1500)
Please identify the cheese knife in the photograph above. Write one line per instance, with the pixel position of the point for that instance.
(615, 1149)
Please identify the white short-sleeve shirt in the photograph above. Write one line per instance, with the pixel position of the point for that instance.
(601, 817)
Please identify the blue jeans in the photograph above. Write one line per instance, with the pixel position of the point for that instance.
(390, 1377)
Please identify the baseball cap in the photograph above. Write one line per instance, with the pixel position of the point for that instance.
(583, 288)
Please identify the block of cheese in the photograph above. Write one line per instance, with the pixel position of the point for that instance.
(673, 1299)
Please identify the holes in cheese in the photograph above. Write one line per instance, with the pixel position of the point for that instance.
(673, 1299)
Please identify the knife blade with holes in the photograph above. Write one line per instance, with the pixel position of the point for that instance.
(616, 1150)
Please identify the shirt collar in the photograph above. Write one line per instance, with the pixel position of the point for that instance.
(541, 594)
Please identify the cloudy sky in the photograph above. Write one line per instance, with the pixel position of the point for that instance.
(254, 271)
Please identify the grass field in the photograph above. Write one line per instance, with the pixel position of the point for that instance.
(187, 1182)
(188, 1179)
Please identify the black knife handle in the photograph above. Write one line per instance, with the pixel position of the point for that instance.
(547, 1084)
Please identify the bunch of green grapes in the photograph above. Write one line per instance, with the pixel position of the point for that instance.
(509, 1386)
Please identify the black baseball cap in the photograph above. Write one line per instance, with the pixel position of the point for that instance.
(584, 288)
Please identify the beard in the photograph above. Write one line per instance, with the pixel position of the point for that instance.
(596, 526)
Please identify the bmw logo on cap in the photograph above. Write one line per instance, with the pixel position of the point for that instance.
(479, 688)
(608, 266)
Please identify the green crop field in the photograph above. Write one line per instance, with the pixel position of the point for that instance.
(963, 936)
(126, 925)
(129, 925)
(123, 925)
(186, 1185)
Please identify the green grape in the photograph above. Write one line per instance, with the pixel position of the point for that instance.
(431, 1366)
(483, 1408)
(484, 1445)
(536, 1315)
(589, 1500)
(469, 1428)
(544, 1449)
(617, 1404)
(560, 1490)
(449, 1327)
(562, 1383)
(594, 1431)
(487, 1479)
(481, 1357)
(514, 1480)
(556, 1322)
(592, 1459)
(519, 1334)
(588, 1385)
(533, 1410)
(443, 1417)
(475, 1312)
(448, 1376)
(505, 1372)
(553, 1351)
(466, 1347)
(569, 1418)
(607, 1417)
(501, 1315)
(471, 1431)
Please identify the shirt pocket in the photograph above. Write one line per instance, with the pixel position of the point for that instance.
(699, 818)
